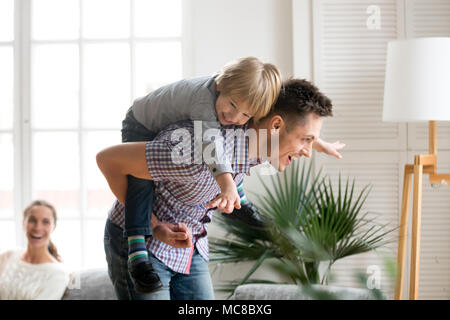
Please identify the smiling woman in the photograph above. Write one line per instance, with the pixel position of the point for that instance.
(35, 273)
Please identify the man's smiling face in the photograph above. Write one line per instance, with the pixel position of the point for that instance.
(294, 138)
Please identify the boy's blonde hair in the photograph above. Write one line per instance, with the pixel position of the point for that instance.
(253, 81)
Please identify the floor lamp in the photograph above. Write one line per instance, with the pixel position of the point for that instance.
(417, 89)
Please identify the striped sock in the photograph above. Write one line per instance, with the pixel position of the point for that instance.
(240, 189)
(137, 250)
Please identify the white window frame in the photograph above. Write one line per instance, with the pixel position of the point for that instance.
(22, 131)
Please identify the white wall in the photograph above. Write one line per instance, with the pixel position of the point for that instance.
(225, 30)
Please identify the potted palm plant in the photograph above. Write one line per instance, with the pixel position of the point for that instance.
(306, 224)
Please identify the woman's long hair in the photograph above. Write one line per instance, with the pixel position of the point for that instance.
(51, 247)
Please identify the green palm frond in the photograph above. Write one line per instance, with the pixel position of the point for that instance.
(307, 222)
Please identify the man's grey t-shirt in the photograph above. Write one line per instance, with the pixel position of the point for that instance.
(187, 99)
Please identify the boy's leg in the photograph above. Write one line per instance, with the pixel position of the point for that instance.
(138, 207)
(139, 198)
(138, 211)
(165, 274)
(117, 255)
(240, 189)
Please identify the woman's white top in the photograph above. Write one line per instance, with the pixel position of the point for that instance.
(20, 280)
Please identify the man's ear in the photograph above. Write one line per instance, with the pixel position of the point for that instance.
(276, 123)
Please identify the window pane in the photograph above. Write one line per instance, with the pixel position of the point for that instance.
(55, 86)
(95, 252)
(67, 239)
(56, 171)
(157, 64)
(7, 235)
(6, 20)
(106, 18)
(7, 175)
(106, 88)
(156, 18)
(99, 196)
(6, 83)
(55, 19)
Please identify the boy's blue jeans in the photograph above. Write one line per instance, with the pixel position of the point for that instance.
(140, 197)
(176, 286)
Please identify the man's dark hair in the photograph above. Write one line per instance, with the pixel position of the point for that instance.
(297, 99)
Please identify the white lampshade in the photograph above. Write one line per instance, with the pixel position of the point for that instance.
(417, 84)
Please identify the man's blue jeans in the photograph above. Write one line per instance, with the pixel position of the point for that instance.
(176, 286)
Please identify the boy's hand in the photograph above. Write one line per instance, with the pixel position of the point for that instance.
(176, 235)
(228, 199)
(226, 202)
(328, 148)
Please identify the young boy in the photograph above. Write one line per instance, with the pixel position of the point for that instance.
(243, 89)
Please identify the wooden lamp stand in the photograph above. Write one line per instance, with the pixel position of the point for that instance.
(423, 164)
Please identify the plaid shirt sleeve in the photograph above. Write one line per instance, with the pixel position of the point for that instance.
(172, 160)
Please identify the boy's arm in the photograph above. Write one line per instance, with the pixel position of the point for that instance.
(228, 199)
(220, 167)
(118, 161)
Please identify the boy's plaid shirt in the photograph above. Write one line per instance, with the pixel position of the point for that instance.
(182, 190)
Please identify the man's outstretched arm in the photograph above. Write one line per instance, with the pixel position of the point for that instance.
(118, 161)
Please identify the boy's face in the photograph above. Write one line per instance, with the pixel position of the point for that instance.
(231, 110)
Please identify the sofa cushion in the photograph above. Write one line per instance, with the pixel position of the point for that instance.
(294, 292)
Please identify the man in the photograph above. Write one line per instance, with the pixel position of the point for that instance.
(183, 188)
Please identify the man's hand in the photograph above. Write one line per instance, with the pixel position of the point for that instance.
(228, 199)
(176, 235)
(328, 148)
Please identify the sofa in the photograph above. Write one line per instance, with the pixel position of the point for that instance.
(94, 284)
(91, 284)
(294, 292)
